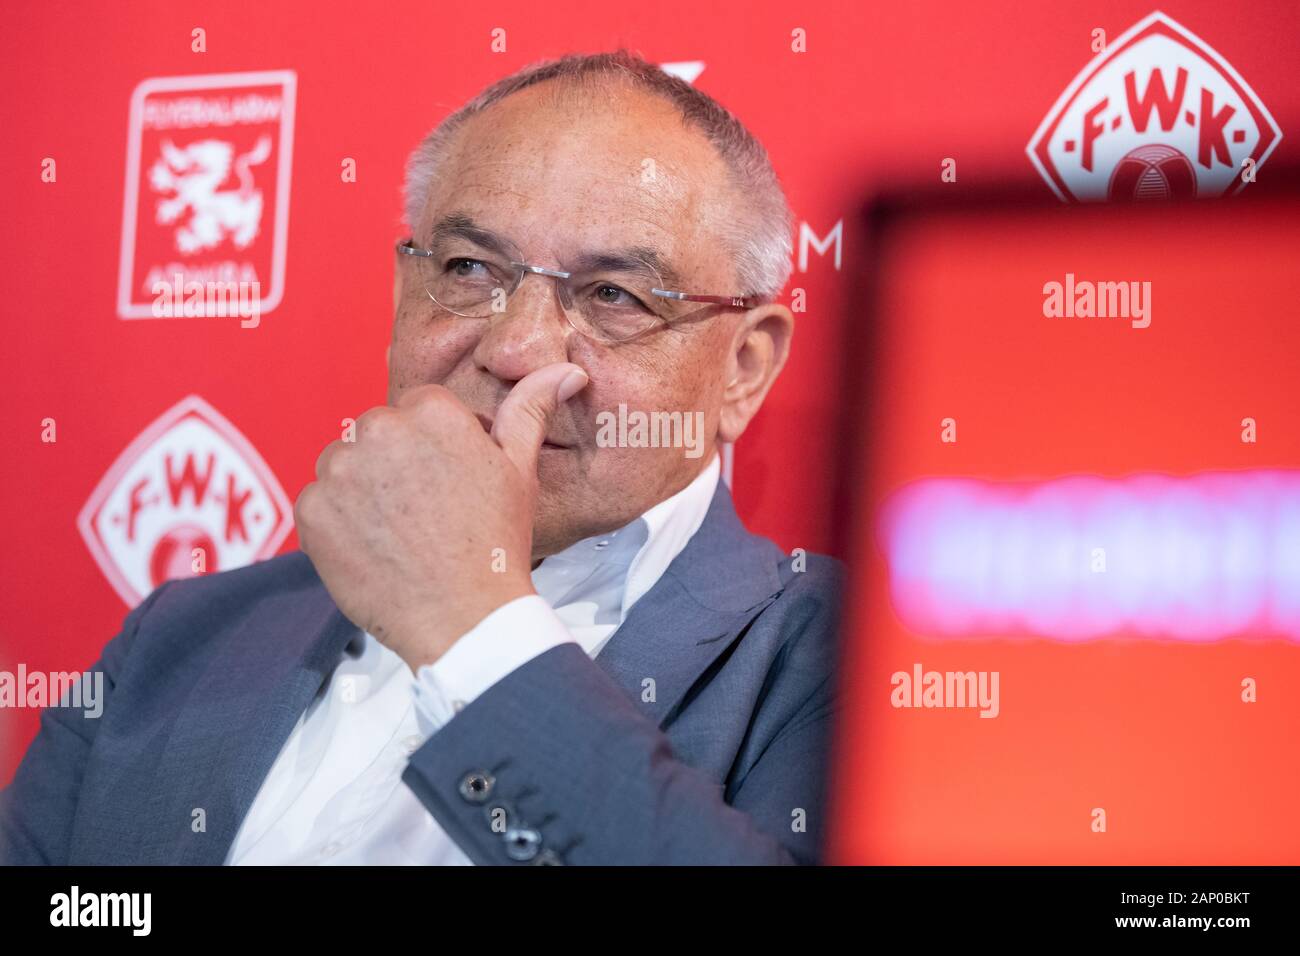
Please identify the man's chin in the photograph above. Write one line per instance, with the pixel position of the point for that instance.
(555, 467)
(563, 513)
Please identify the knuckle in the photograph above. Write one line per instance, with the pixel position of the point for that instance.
(538, 409)
(375, 423)
(304, 507)
(424, 397)
(329, 464)
(434, 406)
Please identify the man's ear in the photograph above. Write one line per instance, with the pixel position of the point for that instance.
(757, 355)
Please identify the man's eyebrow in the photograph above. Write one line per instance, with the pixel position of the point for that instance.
(630, 259)
(458, 225)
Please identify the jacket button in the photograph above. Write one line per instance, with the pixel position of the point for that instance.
(548, 857)
(522, 843)
(476, 786)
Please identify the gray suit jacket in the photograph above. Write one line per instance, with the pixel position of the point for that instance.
(722, 759)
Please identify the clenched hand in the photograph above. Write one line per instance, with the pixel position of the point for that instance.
(401, 524)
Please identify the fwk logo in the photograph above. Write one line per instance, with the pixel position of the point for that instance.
(1158, 114)
(189, 496)
(207, 192)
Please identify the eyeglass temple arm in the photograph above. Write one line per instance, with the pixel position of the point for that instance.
(406, 248)
(743, 302)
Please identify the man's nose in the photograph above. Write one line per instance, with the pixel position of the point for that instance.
(532, 331)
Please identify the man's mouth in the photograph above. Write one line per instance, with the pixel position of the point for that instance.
(547, 444)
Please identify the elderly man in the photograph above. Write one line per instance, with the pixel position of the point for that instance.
(513, 635)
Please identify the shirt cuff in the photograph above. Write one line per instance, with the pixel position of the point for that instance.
(506, 639)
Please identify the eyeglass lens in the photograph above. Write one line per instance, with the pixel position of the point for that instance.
(608, 303)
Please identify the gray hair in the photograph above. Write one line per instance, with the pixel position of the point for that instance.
(760, 240)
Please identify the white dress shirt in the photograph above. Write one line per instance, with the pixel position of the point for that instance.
(335, 794)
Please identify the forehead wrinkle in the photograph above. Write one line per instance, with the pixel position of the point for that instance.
(493, 189)
(676, 177)
(669, 185)
(656, 221)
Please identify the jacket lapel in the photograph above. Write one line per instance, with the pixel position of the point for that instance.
(711, 592)
(241, 712)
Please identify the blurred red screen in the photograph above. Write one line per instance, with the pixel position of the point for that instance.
(1102, 511)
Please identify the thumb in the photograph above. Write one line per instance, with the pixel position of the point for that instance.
(525, 415)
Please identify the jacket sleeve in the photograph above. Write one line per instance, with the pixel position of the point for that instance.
(555, 764)
(38, 806)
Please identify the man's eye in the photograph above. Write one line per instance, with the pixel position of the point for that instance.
(608, 294)
(464, 268)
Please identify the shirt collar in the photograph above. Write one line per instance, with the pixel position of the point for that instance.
(637, 553)
(670, 524)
